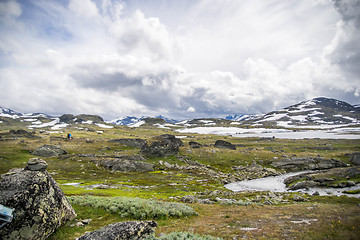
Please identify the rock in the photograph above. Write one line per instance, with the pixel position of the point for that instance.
(49, 151)
(162, 146)
(195, 144)
(126, 165)
(134, 230)
(323, 178)
(224, 144)
(316, 193)
(36, 164)
(298, 198)
(304, 184)
(307, 163)
(131, 142)
(40, 205)
(189, 199)
(355, 158)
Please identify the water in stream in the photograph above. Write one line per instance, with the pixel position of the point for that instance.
(276, 184)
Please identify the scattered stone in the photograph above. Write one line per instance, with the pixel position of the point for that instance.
(316, 193)
(134, 230)
(49, 151)
(189, 199)
(40, 205)
(306, 221)
(36, 164)
(126, 164)
(224, 144)
(162, 146)
(298, 198)
(86, 221)
(307, 163)
(195, 144)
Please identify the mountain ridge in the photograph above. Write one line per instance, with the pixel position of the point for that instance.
(317, 111)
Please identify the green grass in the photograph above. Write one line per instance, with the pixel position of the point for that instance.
(135, 208)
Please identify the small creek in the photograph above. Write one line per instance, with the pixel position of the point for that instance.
(276, 184)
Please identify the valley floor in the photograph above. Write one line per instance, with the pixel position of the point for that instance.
(254, 216)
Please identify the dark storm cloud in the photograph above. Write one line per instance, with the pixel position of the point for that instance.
(106, 81)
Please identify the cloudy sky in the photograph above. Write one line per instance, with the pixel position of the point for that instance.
(178, 58)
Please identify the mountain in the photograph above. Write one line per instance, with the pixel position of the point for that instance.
(241, 117)
(126, 120)
(7, 112)
(318, 111)
(129, 121)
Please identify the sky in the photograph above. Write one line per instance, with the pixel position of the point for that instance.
(181, 59)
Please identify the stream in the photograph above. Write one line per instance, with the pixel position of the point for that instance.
(276, 184)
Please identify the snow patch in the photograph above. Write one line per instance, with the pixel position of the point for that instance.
(103, 125)
(138, 124)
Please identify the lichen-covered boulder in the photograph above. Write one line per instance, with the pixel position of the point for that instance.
(126, 165)
(224, 144)
(39, 203)
(134, 230)
(49, 151)
(162, 146)
(195, 144)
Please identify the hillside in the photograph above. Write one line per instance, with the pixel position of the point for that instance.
(318, 111)
(311, 113)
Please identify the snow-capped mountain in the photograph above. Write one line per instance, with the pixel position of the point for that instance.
(131, 120)
(318, 111)
(126, 120)
(7, 112)
(242, 117)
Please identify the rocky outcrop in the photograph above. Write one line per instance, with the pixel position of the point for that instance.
(39, 203)
(195, 144)
(224, 144)
(162, 146)
(126, 164)
(324, 178)
(202, 169)
(134, 230)
(355, 158)
(49, 151)
(255, 171)
(131, 142)
(307, 163)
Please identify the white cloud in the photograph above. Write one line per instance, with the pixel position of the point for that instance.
(191, 109)
(227, 56)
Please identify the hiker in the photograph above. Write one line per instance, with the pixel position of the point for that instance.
(69, 136)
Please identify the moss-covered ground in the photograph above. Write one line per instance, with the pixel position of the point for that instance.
(318, 218)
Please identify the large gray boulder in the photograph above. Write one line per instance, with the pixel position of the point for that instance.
(39, 203)
(162, 146)
(224, 144)
(126, 164)
(49, 151)
(134, 230)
